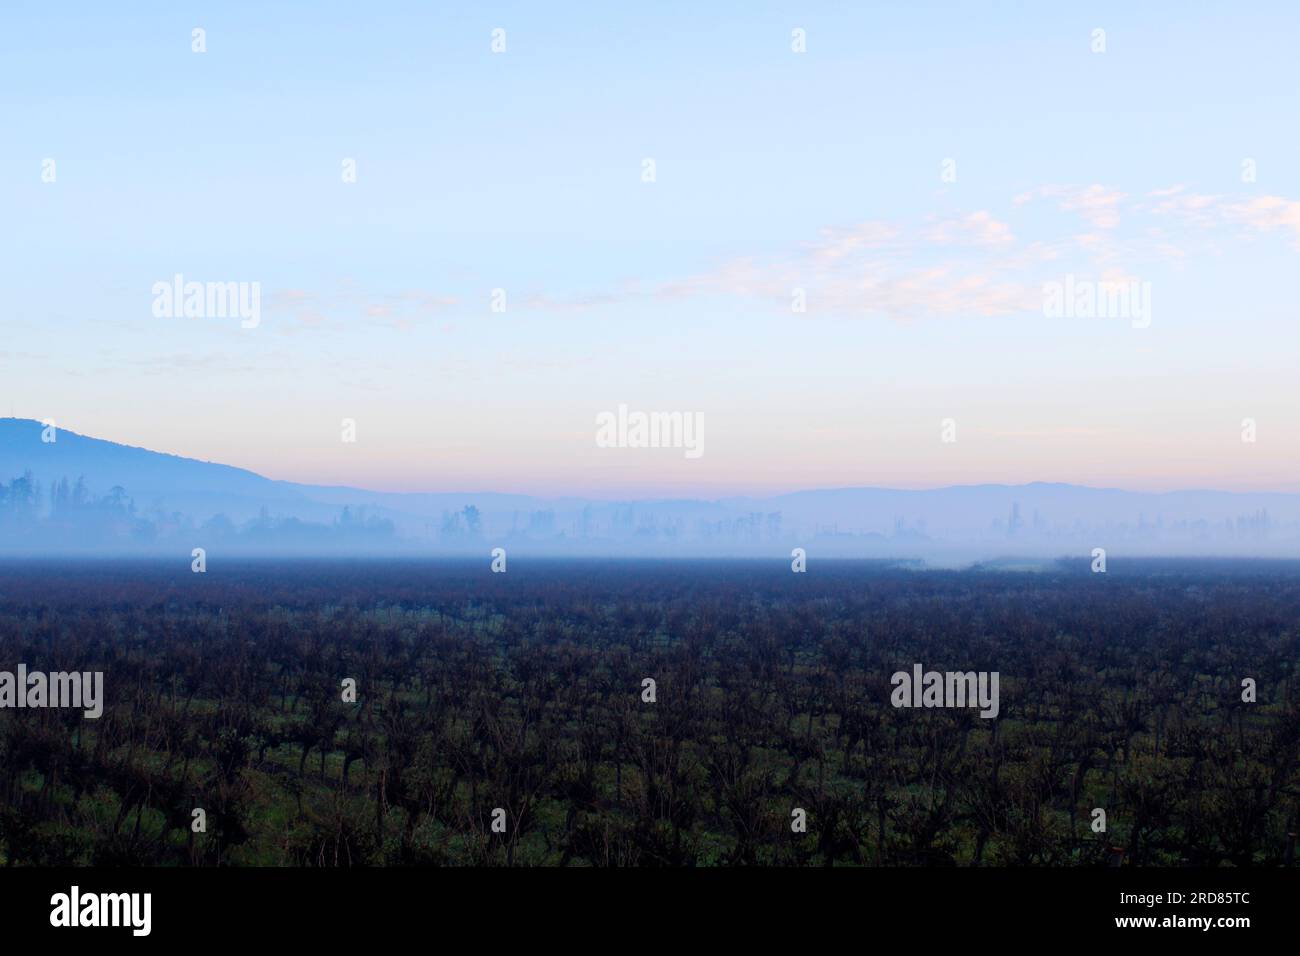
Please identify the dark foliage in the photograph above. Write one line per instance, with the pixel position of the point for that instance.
(523, 691)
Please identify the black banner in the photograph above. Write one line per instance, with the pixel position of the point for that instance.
(231, 906)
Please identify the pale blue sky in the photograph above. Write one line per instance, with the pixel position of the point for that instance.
(522, 171)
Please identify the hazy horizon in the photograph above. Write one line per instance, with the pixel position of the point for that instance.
(612, 497)
(79, 494)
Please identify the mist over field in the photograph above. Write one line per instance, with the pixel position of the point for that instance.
(78, 494)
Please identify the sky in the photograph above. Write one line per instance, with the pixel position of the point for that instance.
(843, 255)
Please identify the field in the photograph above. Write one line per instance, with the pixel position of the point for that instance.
(519, 700)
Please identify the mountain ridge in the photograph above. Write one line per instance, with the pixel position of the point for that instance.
(1035, 517)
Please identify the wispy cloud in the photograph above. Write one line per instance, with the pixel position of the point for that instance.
(958, 264)
(342, 308)
(974, 264)
(1097, 205)
(979, 228)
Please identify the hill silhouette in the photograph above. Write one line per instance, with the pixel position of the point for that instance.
(89, 494)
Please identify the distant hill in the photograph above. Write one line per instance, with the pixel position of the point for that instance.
(164, 501)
